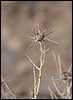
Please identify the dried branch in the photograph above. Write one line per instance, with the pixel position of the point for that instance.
(7, 87)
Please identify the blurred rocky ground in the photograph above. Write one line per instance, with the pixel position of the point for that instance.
(19, 19)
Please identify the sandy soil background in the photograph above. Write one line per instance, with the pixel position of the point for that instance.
(19, 18)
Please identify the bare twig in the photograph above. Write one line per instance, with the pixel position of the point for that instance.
(65, 77)
(7, 87)
(39, 37)
(52, 94)
(37, 79)
(32, 62)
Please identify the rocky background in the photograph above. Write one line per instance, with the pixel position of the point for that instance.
(19, 19)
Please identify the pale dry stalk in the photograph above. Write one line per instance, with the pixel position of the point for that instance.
(11, 95)
(37, 78)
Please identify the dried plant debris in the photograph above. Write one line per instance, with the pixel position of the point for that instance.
(40, 36)
(6, 91)
(63, 76)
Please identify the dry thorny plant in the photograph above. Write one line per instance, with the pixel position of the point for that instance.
(39, 37)
(63, 76)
